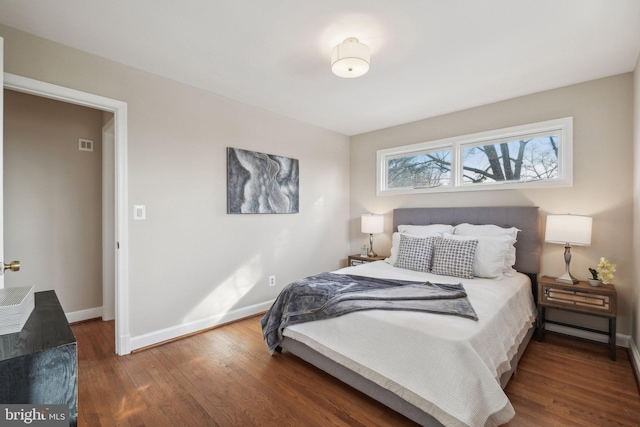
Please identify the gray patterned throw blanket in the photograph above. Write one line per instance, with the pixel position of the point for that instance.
(328, 295)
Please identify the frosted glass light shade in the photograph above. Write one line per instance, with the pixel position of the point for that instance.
(350, 58)
(372, 224)
(572, 229)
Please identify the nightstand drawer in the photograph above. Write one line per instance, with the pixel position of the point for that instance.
(359, 260)
(582, 299)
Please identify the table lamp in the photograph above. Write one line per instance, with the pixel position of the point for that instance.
(371, 224)
(568, 230)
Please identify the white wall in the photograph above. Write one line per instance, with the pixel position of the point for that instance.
(53, 199)
(603, 164)
(190, 261)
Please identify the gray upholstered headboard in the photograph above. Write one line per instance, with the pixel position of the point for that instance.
(524, 218)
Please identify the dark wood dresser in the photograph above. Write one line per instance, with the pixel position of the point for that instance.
(39, 364)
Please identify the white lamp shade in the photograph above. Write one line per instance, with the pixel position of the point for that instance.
(350, 58)
(573, 229)
(372, 224)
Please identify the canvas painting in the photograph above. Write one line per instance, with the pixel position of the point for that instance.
(259, 183)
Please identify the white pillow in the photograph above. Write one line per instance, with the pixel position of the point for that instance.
(490, 230)
(416, 231)
(395, 243)
(426, 230)
(489, 256)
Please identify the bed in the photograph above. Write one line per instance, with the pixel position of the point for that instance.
(435, 369)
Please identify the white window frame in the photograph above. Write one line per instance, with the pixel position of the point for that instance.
(562, 127)
(416, 150)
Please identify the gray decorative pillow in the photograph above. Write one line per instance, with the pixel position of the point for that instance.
(414, 253)
(454, 257)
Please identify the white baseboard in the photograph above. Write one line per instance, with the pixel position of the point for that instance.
(634, 356)
(621, 340)
(124, 345)
(173, 332)
(79, 316)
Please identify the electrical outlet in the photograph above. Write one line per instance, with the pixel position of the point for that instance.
(272, 280)
(85, 144)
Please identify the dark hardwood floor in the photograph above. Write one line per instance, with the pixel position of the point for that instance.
(226, 377)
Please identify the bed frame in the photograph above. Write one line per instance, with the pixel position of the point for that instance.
(528, 261)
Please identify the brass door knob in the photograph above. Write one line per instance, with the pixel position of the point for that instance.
(13, 266)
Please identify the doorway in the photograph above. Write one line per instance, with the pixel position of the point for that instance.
(120, 239)
(52, 200)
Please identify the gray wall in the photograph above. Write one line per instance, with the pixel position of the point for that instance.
(189, 260)
(53, 198)
(602, 113)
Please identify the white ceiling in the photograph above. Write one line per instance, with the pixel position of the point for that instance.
(428, 57)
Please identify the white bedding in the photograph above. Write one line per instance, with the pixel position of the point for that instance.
(448, 366)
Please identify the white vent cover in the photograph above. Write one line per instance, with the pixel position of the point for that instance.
(16, 305)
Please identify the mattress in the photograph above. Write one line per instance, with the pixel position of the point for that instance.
(447, 366)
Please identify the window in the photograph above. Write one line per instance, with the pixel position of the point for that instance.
(528, 156)
(420, 169)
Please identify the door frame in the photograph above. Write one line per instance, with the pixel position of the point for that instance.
(108, 221)
(119, 110)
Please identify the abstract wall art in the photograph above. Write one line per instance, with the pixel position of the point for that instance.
(260, 183)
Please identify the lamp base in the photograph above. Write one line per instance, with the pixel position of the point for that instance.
(567, 279)
(370, 252)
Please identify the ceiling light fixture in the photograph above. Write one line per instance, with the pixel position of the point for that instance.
(350, 58)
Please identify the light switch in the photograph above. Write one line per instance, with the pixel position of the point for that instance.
(139, 212)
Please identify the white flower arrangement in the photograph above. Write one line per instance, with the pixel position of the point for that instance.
(605, 270)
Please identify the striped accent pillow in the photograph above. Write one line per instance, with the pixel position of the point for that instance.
(414, 253)
(454, 257)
